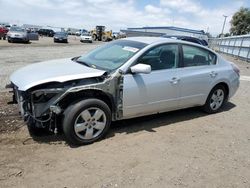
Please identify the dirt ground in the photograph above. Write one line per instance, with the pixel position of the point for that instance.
(185, 148)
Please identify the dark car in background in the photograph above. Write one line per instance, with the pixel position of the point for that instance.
(188, 39)
(46, 32)
(61, 37)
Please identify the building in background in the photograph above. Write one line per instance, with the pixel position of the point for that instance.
(160, 31)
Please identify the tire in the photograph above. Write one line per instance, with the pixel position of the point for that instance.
(83, 114)
(94, 37)
(215, 100)
(104, 38)
(10, 40)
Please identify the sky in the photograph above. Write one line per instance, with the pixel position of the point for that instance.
(204, 15)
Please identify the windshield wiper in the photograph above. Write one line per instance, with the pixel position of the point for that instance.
(84, 63)
(81, 62)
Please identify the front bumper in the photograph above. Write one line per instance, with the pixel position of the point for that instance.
(86, 40)
(60, 40)
(17, 98)
(36, 104)
(18, 39)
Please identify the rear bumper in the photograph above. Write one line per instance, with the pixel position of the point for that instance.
(234, 86)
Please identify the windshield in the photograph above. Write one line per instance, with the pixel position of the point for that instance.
(111, 56)
(61, 34)
(19, 29)
(86, 34)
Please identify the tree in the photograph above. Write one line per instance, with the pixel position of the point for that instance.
(240, 23)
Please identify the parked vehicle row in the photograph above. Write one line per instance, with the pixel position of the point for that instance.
(20, 34)
(123, 79)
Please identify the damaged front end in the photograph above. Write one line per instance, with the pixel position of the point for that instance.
(43, 106)
(36, 106)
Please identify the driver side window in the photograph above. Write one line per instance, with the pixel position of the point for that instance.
(161, 57)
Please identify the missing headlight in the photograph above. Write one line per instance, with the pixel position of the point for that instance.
(41, 97)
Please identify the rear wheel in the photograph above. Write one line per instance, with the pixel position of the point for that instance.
(86, 121)
(215, 100)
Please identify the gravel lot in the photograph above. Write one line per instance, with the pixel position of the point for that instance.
(185, 148)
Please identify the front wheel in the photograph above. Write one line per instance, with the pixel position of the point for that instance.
(215, 100)
(10, 40)
(86, 121)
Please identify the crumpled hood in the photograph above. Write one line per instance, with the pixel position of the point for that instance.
(60, 70)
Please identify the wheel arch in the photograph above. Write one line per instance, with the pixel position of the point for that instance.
(74, 97)
(225, 85)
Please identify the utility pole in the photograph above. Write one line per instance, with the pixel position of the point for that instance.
(225, 18)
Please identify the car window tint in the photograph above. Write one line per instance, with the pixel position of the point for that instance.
(194, 56)
(161, 57)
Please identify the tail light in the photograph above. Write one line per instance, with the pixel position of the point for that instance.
(236, 69)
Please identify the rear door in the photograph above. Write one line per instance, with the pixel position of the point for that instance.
(157, 91)
(196, 75)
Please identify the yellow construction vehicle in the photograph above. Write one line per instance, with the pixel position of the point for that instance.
(100, 34)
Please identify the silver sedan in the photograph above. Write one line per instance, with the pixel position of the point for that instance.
(123, 79)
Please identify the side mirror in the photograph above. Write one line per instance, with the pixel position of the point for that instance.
(141, 68)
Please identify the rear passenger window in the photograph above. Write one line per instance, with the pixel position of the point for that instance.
(194, 56)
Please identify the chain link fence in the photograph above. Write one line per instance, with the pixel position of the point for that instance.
(237, 46)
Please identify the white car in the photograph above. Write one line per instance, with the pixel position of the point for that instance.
(86, 37)
(123, 79)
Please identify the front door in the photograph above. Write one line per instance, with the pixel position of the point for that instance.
(157, 91)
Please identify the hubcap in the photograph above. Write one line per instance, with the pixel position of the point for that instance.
(217, 99)
(90, 123)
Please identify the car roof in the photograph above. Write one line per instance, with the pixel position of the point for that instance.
(180, 36)
(152, 40)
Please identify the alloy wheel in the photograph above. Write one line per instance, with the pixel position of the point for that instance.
(217, 99)
(90, 123)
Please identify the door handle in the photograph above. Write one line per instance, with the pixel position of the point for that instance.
(213, 74)
(174, 80)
